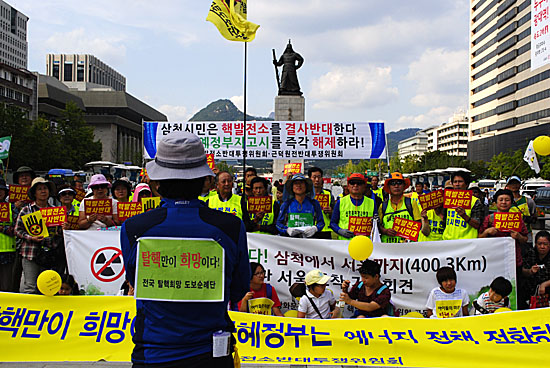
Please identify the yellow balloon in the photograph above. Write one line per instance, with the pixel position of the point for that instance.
(541, 145)
(503, 309)
(360, 248)
(413, 315)
(291, 313)
(49, 282)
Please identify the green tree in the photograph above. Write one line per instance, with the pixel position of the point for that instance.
(13, 123)
(223, 166)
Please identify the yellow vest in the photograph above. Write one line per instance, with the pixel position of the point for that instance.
(387, 221)
(521, 206)
(437, 226)
(379, 192)
(325, 216)
(266, 220)
(210, 194)
(457, 228)
(232, 205)
(7, 243)
(347, 209)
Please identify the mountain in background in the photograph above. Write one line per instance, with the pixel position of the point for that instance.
(223, 110)
(393, 138)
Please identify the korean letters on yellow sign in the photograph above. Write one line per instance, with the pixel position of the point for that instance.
(360, 225)
(447, 308)
(507, 221)
(406, 228)
(98, 206)
(431, 200)
(259, 204)
(458, 198)
(18, 193)
(128, 209)
(260, 306)
(54, 216)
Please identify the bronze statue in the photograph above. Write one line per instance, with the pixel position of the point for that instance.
(289, 79)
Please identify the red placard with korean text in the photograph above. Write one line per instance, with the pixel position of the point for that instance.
(431, 200)
(507, 221)
(54, 216)
(19, 193)
(210, 161)
(259, 204)
(324, 200)
(360, 225)
(99, 206)
(292, 168)
(80, 194)
(126, 210)
(72, 220)
(406, 228)
(458, 198)
(4, 212)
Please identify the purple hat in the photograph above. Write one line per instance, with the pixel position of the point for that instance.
(98, 179)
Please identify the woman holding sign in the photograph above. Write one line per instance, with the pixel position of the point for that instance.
(262, 298)
(100, 210)
(32, 231)
(505, 223)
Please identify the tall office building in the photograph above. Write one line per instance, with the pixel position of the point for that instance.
(509, 103)
(450, 137)
(13, 39)
(78, 70)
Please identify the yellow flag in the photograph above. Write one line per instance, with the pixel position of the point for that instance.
(35, 224)
(229, 16)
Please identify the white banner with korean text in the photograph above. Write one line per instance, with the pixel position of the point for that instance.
(408, 269)
(267, 140)
(540, 35)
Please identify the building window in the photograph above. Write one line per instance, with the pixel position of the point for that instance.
(68, 72)
(80, 73)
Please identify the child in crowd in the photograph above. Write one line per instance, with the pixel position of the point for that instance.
(68, 286)
(261, 291)
(318, 303)
(495, 298)
(447, 300)
(370, 296)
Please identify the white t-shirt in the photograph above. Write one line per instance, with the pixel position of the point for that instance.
(98, 224)
(448, 304)
(323, 303)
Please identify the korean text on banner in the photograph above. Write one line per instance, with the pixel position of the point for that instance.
(54, 216)
(540, 35)
(267, 140)
(98, 206)
(458, 198)
(292, 168)
(507, 221)
(407, 229)
(432, 200)
(38, 329)
(360, 225)
(180, 270)
(19, 193)
(260, 204)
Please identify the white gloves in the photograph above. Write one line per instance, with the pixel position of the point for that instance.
(309, 231)
(294, 232)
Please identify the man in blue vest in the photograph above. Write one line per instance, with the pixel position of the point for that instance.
(316, 176)
(180, 333)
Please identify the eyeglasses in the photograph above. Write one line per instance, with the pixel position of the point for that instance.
(395, 182)
(259, 273)
(356, 182)
(66, 194)
(100, 186)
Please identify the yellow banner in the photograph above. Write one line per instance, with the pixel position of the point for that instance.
(35, 224)
(230, 19)
(90, 328)
(260, 306)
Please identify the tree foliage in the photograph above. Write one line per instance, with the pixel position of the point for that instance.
(42, 145)
(506, 164)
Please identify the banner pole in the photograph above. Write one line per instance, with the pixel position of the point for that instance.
(244, 118)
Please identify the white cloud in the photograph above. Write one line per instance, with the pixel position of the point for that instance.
(434, 116)
(239, 102)
(176, 113)
(111, 49)
(441, 77)
(353, 87)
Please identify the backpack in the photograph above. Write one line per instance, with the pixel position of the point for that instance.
(268, 292)
(298, 289)
(408, 205)
(389, 309)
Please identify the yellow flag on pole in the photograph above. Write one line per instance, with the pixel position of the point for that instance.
(229, 16)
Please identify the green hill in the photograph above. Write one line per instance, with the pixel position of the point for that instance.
(223, 110)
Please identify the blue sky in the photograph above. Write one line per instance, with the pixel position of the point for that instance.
(404, 62)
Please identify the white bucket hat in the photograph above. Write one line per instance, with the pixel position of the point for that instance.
(180, 155)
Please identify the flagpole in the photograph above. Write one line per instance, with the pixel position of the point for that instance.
(244, 118)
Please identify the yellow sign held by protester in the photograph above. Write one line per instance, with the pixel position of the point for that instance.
(260, 306)
(35, 224)
(447, 308)
(149, 203)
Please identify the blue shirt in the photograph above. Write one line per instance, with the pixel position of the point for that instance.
(293, 206)
(169, 331)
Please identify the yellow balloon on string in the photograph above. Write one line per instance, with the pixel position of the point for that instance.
(48, 282)
(360, 248)
(541, 145)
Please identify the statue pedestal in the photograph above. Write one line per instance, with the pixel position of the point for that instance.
(288, 108)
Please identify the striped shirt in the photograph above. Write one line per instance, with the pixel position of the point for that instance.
(438, 295)
(486, 302)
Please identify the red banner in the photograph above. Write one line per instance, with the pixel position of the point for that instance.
(324, 200)
(458, 198)
(210, 161)
(406, 228)
(507, 221)
(5, 212)
(431, 200)
(73, 222)
(259, 204)
(80, 194)
(128, 209)
(292, 168)
(19, 193)
(54, 216)
(360, 225)
(99, 206)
